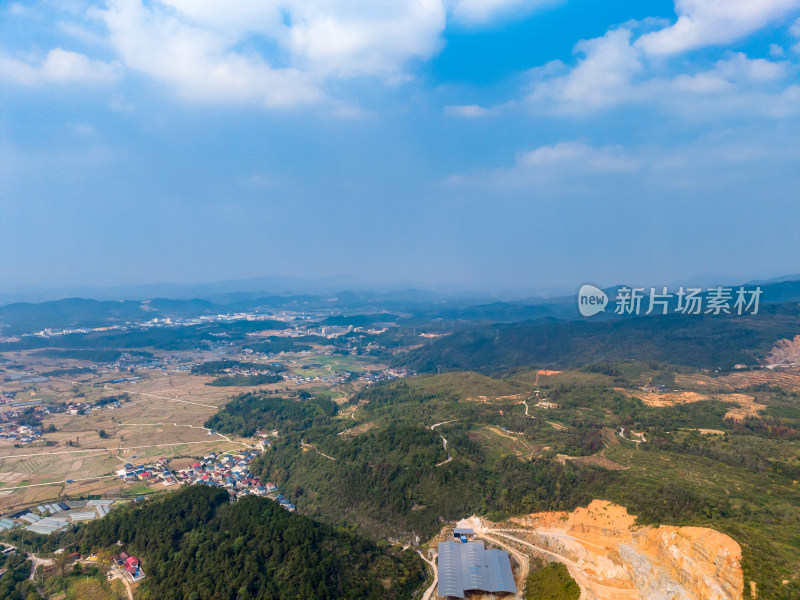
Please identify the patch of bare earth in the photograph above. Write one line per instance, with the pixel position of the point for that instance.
(745, 406)
(487, 399)
(784, 353)
(598, 460)
(358, 430)
(611, 558)
(785, 378)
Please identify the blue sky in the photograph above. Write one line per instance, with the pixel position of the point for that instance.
(497, 144)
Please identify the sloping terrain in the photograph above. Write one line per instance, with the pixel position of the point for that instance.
(702, 341)
(612, 558)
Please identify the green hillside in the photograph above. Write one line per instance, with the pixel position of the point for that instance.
(393, 476)
(701, 341)
(195, 545)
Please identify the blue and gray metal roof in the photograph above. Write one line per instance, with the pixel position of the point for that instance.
(470, 567)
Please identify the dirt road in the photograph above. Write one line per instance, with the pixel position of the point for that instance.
(429, 592)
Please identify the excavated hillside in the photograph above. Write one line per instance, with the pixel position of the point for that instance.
(612, 558)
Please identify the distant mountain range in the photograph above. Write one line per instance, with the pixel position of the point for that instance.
(413, 305)
(234, 290)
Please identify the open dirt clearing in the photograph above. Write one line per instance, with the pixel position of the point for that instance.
(746, 406)
(611, 558)
(786, 379)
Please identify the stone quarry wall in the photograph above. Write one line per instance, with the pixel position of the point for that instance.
(615, 559)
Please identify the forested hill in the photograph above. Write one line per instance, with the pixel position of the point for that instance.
(194, 545)
(702, 341)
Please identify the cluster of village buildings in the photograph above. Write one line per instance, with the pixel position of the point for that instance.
(20, 434)
(339, 377)
(288, 316)
(227, 471)
(21, 422)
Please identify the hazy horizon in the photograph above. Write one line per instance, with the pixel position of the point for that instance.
(269, 285)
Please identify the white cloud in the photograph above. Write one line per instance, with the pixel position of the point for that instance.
(283, 53)
(711, 22)
(341, 38)
(59, 66)
(556, 167)
(467, 111)
(613, 71)
(276, 53)
(63, 65)
(322, 37)
(579, 156)
(234, 18)
(726, 74)
(575, 168)
(601, 78)
(741, 68)
(364, 37)
(476, 12)
(199, 64)
(736, 86)
(622, 68)
(795, 31)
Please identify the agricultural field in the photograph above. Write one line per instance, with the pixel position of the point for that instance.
(160, 414)
(326, 366)
(133, 415)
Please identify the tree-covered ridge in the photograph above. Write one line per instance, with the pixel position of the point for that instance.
(399, 479)
(393, 476)
(408, 500)
(195, 545)
(248, 413)
(163, 338)
(702, 341)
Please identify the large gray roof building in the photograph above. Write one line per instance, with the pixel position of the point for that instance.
(470, 567)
